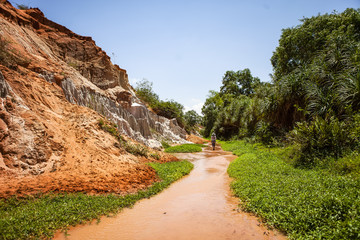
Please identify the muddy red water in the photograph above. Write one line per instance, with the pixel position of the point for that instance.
(199, 206)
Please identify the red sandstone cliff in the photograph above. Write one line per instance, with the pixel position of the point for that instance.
(54, 87)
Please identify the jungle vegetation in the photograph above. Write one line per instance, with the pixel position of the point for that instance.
(313, 100)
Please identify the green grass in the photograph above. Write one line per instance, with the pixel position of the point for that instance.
(347, 165)
(306, 204)
(39, 217)
(185, 148)
(165, 144)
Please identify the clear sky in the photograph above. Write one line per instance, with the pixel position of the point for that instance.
(185, 46)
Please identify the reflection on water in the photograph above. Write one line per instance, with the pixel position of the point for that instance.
(199, 206)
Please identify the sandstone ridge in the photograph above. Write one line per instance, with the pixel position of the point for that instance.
(55, 85)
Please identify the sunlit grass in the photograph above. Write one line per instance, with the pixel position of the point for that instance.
(306, 204)
(185, 148)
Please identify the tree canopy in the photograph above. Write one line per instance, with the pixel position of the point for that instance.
(239, 83)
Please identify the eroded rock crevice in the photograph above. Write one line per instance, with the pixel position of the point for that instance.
(133, 120)
(25, 141)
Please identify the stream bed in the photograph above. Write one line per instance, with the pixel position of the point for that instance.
(198, 206)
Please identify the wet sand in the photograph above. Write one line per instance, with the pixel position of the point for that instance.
(199, 206)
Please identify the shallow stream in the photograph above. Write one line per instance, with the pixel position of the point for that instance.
(199, 206)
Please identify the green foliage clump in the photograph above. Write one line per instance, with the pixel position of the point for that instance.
(192, 120)
(322, 138)
(213, 104)
(110, 128)
(347, 165)
(5, 57)
(306, 204)
(136, 149)
(169, 109)
(40, 217)
(155, 156)
(185, 148)
(232, 112)
(145, 92)
(239, 83)
(22, 6)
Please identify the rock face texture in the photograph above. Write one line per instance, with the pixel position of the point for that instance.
(54, 87)
(85, 73)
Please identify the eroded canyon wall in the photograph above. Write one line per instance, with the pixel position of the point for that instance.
(44, 67)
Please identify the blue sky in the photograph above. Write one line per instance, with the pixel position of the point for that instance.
(185, 46)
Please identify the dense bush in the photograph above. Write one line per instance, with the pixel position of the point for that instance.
(169, 109)
(145, 92)
(347, 165)
(324, 138)
(192, 121)
(165, 144)
(320, 138)
(22, 6)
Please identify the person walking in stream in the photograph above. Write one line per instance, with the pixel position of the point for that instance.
(213, 140)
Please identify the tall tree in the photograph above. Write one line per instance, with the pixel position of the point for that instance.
(239, 83)
(210, 110)
(192, 118)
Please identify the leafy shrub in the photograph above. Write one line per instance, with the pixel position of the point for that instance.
(101, 122)
(22, 6)
(155, 156)
(145, 92)
(169, 109)
(322, 138)
(109, 127)
(136, 149)
(347, 165)
(263, 132)
(192, 120)
(6, 58)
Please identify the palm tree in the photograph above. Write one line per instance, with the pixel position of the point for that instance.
(349, 90)
(321, 100)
